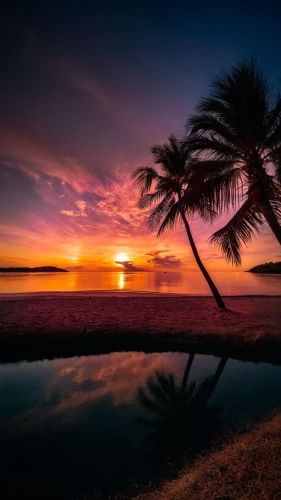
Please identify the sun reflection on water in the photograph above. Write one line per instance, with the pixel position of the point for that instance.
(121, 281)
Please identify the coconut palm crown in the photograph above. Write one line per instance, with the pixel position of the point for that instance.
(236, 136)
(166, 187)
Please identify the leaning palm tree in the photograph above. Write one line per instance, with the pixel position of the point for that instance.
(236, 133)
(166, 188)
(179, 412)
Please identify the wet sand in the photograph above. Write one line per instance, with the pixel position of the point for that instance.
(39, 326)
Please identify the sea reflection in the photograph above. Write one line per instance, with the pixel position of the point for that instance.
(74, 424)
(165, 282)
(178, 412)
(65, 386)
(192, 283)
(121, 281)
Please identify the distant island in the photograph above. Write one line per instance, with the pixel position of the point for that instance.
(267, 268)
(42, 269)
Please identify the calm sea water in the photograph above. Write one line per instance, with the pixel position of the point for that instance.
(191, 283)
(75, 426)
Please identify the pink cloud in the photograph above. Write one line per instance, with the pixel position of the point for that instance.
(34, 158)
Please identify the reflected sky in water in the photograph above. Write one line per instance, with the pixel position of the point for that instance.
(192, 283)
(73, 422)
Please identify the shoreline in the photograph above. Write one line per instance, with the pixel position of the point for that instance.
(247, 462)
(123, 293)
(36, 326)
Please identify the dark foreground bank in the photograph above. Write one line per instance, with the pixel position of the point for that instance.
(39, 327)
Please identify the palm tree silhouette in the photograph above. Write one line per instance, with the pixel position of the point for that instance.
(169, 187)
(237, 134)
(181, 417)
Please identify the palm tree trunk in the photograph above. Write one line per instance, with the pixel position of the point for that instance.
(272, 220)
(219, 370)
(215, 378)
(186, 371)
(201, 266)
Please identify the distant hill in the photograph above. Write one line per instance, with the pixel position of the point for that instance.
(43, 269)
(267, 268)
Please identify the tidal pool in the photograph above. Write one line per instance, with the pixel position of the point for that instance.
(99, 424)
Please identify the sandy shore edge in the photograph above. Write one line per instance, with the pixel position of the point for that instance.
(248, 467)
(40, 326)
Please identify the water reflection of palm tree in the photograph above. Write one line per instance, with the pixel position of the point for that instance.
(181, 418)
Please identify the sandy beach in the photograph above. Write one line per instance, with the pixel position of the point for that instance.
(47, 325)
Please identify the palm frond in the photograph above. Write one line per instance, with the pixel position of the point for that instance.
(148, 402)
(245, 89)
(149, 199)
(194, 201)
(274, 198)
(272, 123)
(241, 229)
(170, 220)
(237, 110)
(215, 194)
(276, 161)
(206, 123)
(143, 178)
(161, 210)
(212, 105)
(172, 156)
(162, 388)
(167, 384)
(217, 150)
(274, 140)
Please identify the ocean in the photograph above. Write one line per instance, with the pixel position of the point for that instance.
(187, 283)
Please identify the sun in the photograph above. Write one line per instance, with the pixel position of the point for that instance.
(73, 258)
(122, 257)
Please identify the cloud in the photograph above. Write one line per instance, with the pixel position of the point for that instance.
(66, 190)
(128, 265)
(33, 157)
(81, 205)
(164, 260)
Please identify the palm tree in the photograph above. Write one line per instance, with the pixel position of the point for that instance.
(182, 417)
(167, 189)
(236, 133)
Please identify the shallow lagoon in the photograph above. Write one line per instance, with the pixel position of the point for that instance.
(69, 426)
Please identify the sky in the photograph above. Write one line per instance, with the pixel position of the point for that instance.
(86, 89)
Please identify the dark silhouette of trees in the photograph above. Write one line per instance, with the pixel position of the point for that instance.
(166, 189)
(236, 136)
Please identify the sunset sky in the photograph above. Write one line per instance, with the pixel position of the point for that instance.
(85, 91)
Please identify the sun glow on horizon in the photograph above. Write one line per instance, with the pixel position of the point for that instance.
(122, 257)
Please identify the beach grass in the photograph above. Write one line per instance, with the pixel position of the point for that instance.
(247, 468)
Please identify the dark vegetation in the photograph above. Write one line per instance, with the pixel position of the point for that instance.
(236, 132)
(42, 269)
(267, 268)
(247, 468)
(230, 158)
(167, 189)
